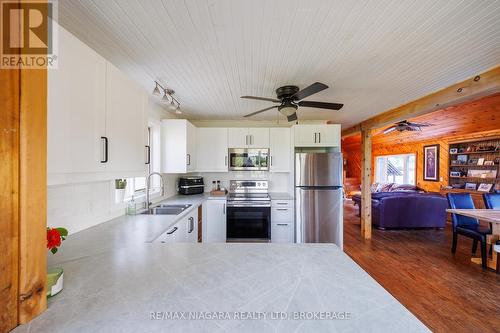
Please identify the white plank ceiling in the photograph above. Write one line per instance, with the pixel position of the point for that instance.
(374, 55)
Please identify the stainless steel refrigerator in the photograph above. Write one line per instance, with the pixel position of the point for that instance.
(318, 197)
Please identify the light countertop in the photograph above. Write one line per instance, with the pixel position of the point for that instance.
(116, 291)
(114, 279)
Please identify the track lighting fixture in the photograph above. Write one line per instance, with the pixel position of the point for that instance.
(168, 97)
(156, 90)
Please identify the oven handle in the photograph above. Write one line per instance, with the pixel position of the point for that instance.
(252, 205)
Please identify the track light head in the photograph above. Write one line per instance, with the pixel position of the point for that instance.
(156, 90)
(165, 97)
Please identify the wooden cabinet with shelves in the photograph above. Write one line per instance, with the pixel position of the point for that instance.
(473, 163)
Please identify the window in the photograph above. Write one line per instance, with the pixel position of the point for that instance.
(399, 169)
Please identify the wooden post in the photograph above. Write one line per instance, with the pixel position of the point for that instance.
(366, 180)
(9, 198)
(33, 194)
(23, 187)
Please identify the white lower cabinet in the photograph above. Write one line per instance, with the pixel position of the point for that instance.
(184, 231)
(214, 221)
(282, 225)
(282, 232)
(175, 234)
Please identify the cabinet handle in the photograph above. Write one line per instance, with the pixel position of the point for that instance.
(319, 136)
(282, 203)
(282, 209)
(188, 157)
(225, 160)
(224, 209)
(173, 230)
(315, 137)
(282, 224)
(251, 139)
(191, 225)
(105, 160)
(246, 140)
(148, 155)
(271, 161)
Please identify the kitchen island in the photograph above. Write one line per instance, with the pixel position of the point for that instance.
(117, 280)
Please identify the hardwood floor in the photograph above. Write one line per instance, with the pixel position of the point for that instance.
(446, 292)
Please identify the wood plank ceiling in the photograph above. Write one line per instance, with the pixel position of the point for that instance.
(374, 55)
(460, 121)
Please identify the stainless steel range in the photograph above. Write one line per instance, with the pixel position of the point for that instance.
(248, 211)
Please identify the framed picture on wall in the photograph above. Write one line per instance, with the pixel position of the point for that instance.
(431, 163)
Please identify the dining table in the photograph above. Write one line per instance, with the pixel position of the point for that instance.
(486, 215)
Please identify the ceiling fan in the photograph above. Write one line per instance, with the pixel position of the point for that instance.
(290, 98)
(405, 125)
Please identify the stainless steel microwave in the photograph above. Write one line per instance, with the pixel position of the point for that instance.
(248, 159)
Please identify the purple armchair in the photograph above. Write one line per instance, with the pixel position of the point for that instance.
(407, 210)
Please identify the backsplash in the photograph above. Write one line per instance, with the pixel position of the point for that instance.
(278, 182)
(80, 206)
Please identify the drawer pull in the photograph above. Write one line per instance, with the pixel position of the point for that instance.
(282, 203)
(173, 230)
(282, 224)
(282, 209)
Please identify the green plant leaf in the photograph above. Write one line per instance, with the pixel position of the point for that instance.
(63, 232)
(53, 250)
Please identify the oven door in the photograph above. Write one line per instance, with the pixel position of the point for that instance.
(248, 159)
(248, 222)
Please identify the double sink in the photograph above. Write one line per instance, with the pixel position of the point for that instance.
(166, 209)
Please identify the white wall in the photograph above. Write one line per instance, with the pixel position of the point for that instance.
(81, 206)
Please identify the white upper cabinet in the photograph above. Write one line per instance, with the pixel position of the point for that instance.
(237, 137)
(248, 137)
(211, 149)
(91, 102)
(126, 128)
(178, 143)
(317, 135)
(280, 149)
(258, 137)
(76, 110)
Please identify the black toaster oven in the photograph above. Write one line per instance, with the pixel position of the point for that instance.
(191, 185)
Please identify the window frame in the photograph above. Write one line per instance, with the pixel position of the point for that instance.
(405, 167)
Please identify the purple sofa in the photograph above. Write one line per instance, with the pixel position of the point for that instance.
(407, 209)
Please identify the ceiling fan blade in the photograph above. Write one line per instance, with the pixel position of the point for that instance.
(292, 117)
(321, 105)
(262, 99)
(308, 91)
(263, 110)
(420, 124)
(389, 129)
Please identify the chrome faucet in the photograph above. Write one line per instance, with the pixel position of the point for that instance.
(148, 181)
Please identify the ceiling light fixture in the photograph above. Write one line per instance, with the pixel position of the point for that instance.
(173, 104)
(289, 110)
(156, 90)
(178, 109)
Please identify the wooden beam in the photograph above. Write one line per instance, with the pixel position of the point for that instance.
(366, 181)
(481, 85)
(33, 194)
(9, 198)
(354, 130)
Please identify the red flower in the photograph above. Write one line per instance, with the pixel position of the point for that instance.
(53, 238)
